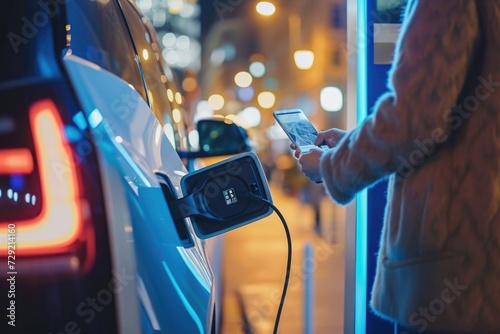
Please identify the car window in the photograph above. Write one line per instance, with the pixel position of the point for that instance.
(89, 26)
(165, 101)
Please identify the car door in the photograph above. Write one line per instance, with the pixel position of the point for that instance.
(174, 283)
(166, 102)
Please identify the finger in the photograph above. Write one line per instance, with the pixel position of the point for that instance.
(320, 139)
(338, 134)
(331, 142)
(333, 137)
(297, 153)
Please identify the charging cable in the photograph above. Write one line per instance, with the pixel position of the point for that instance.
(289, 257)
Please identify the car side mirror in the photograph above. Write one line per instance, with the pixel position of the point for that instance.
(218, 137)
(223, 196)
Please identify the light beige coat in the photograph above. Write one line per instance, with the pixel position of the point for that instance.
(436, 135)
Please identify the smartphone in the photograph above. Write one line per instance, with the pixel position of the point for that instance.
(298, 128)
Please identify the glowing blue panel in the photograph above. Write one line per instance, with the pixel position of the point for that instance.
(72, 133)
(80, 121)
(95, 118)
(362, 198)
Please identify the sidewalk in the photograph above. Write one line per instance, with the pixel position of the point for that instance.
(254, 270)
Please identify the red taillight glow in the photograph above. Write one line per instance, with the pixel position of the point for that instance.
(60, 224)
(16, 161)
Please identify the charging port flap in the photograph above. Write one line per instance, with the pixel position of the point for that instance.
(224, 196)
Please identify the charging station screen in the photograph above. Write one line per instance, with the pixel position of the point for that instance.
(386, 25)
(390, 11)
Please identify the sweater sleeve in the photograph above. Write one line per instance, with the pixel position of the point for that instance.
(432, 57)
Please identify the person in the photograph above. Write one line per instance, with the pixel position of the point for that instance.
(435, 134)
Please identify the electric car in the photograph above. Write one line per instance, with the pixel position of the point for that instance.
(90, 137)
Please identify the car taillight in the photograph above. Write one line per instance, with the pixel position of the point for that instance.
(16, 161)
(61, 231)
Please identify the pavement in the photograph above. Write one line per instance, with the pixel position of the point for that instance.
(254, 265)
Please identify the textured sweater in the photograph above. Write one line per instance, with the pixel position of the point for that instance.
(436, 135)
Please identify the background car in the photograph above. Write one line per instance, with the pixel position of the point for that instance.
(88, 242)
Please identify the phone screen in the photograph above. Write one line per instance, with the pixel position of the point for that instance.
(297, 127)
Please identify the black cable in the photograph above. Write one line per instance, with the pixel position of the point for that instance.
(289, 258)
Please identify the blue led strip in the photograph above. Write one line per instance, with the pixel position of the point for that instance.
(362, 197)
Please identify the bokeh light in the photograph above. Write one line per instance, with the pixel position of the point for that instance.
(257, 69)
(249, 117)
(216, 101)
(331, 99)
(243, 79)
(265, 8)
(266, 99)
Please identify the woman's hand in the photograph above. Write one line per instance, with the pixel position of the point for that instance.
(330, 137)
(309, 164)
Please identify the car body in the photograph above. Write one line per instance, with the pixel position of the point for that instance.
(89, 139)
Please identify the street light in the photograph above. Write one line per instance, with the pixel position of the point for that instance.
(265, 8)
(304, 59)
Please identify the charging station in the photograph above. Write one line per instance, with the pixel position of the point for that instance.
(219, 198)
(372, 30)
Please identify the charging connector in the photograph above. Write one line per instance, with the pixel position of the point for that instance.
(215, 200)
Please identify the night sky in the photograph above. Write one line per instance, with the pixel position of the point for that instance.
(215, 10)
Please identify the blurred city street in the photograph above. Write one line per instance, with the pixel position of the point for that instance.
(254, 269)
(114, 109)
